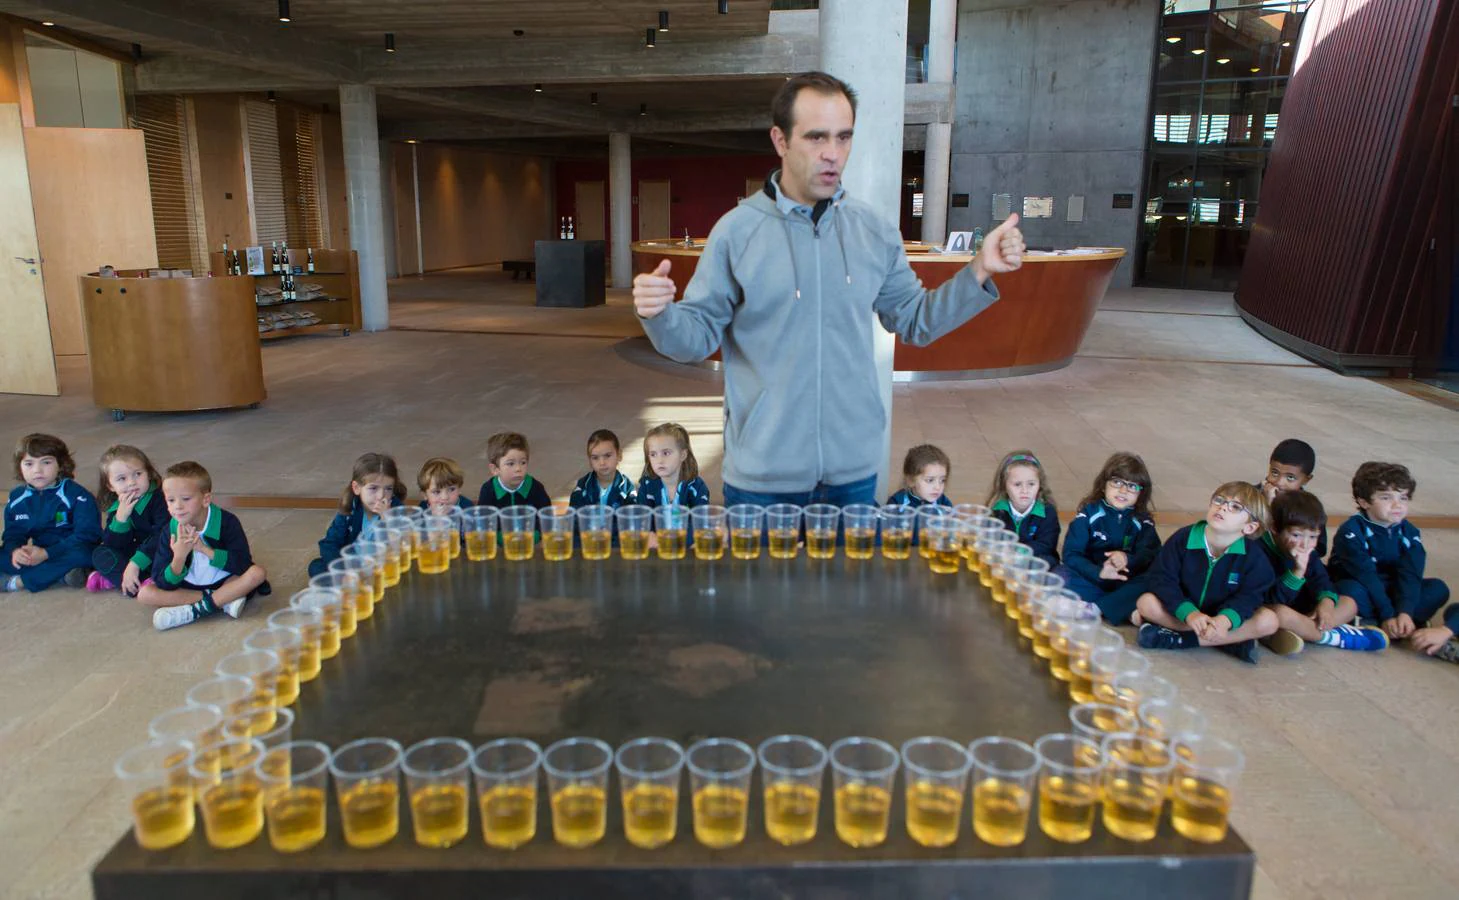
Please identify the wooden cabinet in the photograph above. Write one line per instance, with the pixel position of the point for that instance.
(336, 272)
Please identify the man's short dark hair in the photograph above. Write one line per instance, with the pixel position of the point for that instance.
(782, 108)
(1294, 452)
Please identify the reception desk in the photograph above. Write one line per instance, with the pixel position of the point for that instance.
(1037, 326)
(172, 344)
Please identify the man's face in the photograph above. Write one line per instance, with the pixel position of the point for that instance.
(815, 153)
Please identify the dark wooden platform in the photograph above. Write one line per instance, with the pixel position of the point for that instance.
(684, 650)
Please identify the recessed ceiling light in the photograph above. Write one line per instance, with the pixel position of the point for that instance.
(49, 24)
(284, 11)
(663, 20)
(1198, 51)
(1174, 39)
(537, 87)
(389, 42)
(650, 35)
(1256, 68)
(1223, 60)
(410, 140)
(1286, 43)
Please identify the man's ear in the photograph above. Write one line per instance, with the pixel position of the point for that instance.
(780, 140)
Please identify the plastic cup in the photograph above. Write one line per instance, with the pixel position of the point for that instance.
(792, 770)
(480, 525)
(1004, 772)
(649, 770)
(862, 772)
(978, 527)
(197, 724)
(577, 784)
(942, 542)
(295, 780)
(233, 694)
(935, 771)
(822, 521)
(250, 726)
(1084, 639)
(897, 521)
(228, 791)
(746, 530)
(1106, 663)
(353, 580)
(1206, 771)
(782, 528)
(159, 791)
(633, 522)
(1136, 779)
(711, 531)
(367, 787)
(433, 544)
(1060, 609)
(671, 527)
(458, 528)
(1032, 586)
(309, 623)
(395, 560)
(1004, 568)
(986, 544)
(518, 524)
(409, 520)
(287, 644)
(1168, 720)
(595, 531)
(438, 782)
(859, 523)
(266, 671)
(506, 791)
(1097, 720)
(970, 510)
(719, 776)
(372, 575)
(926, 514)
(1069, 772)
(1131, 689)
(556, 526)
(326, 604)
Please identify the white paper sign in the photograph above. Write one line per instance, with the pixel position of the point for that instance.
(959, 242)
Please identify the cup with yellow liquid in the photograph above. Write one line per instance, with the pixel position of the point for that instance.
(226, 785)
(633, 530)
(506, 772)
(261, 730)
(577, 785)
(262, 667)
(480, 526)
(408, 520)
(395, 559)
(1131, 689)
(232, 694)
(979, 527)
(595, 532)
(1004, 567)
(1206, 771)
(360, 580)
(719, 778)
(438, 784)
(1097, 721)
(1170, 719)
(970, 510)
(986, 546)
(433, 544)
(924, 515)
(159, 790)
(1004, 774)
(859, 526)
(456, 536)
(822, 522)
(519, 525)
(792, 770)
(942, 541)
(935, 771)
(295, 780)
(287, 645)
(649, 771)
(710, 531)
(310, 625)
(1069, 777)
(556, 526)
(1030, 585)
(367, 788)
(1060, 609)
(897, 522)
(746, 530)
(328, 605)
(1108, 662)
(862, 772)
(1136, 779)
(198, 724)
(1083, 640)
(782, 530)
(671, 528)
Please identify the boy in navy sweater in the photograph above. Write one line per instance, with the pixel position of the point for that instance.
(1288, 470)
(604, 485)
(1307, 606)
(1209, 581)
(440, 482)
(51, 523)
(509, 484)
(1378, 557)
(202, 564)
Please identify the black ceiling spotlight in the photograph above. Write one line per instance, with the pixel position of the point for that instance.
(724, 7)
(537, 87)
(594, 98)
(136, 53)
(284, 11)
(663, 20)
(389, 42)
(652, 33)
(643, 109)
(518, 32)
(272, 98)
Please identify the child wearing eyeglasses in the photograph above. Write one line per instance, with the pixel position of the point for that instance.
(1112, 540)
(1207, 585)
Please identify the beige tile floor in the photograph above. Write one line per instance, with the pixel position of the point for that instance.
(1349, 789)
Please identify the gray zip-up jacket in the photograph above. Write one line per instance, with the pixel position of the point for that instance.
(789, 299)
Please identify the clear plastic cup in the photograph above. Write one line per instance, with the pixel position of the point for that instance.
(633, 530)
(458, 528)
(197, 724)
(1206, 771)
(252, 726)
(433, 544)
(1136, 779)
(671, 528)
(926, 514)
(295, 780)
(970, 510)
(979, 527)
(1132, 689)
(936, 774)
(746, 530)
(1069, 772)
(822, 522)
(711, 531)
(159, 791)
(595, 531)
(942, 542)
(986, 545)
(262, 666)
(506, 773)
(1168, 720)
(1004, 773)
(897, 521)
(782, 528)
(310, 625)
(480, 524)
(1096, 720)
(1084, 639)
(1060, 609)
(286, 644)
(395, 561)
(409, 520)
(1106, 663)
(719, 776)
(232, 694)
(649, 770)
(367, 787)
(792, 770)
(518, 524)
(325, 603)
(376, 553)
(577, 784)
(355, 578)
(556, 526)
(438, 782)
(1033, 586)
(859, 523)
(1004, 569)
(229, 793)
(862, 772)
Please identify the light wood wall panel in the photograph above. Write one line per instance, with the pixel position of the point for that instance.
(336, 193)
(92, 207)
(27, 365)
(220, 158)
(477, 207)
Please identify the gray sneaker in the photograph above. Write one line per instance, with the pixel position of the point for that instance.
(172, 617)
(1449, 652)
(76, 578)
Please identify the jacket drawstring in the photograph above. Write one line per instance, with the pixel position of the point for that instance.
(790, 246)
(845, 266)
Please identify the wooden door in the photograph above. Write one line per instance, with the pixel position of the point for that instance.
(588, 212)
(653, 210)
(27, 366)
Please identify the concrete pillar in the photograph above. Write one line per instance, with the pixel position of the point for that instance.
(937, 158)
(362, 179)
(620, 208)
(387, 208)
(864, 43)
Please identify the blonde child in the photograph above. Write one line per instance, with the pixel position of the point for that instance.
(440, 481)
(374, 487)
(135, 517)
(603, 485)
(509, 484)
(670, 471)
(51, 523)
(1112, 540)
(1021, 499)
(925, 470)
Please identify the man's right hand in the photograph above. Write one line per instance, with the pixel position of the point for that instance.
(653, 291)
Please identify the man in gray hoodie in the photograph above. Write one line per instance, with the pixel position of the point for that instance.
(786, 287)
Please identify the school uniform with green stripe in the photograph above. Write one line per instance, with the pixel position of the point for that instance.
(132, 540)
(1037, 528)
(529, 493)
(1188, 579)
(1301, 592)
(224, 534)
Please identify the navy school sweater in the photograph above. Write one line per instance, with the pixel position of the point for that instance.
(688, 493)
(588, 492)
(1321, 550)
(62, 515)
(1100, 529)
(1290, 589)
(343, 531)
(135, 539)
(905, 497)
(1187, 579)
(222, 532)
(462, 502)
(1038, 529)
(1387, 560)
(529, 493)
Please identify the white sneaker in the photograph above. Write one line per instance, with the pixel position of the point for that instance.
(172, 617)
(235, 608)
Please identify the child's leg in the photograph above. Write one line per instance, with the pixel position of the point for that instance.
(1153, 611)
(1351, 588)
(1347, 610)
(1262, 623)
(1087, 590)
(1118, 604)
(1303, 626)
(42, 576)
(1433, 594)
(155, 597)
(239, 586)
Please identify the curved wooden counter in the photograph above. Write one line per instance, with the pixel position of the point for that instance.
(1037, 326)
(172, 344)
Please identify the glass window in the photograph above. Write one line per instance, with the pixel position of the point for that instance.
(1234, 113)
(1182, 47)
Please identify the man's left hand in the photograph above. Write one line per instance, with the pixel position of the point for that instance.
(1002, 251)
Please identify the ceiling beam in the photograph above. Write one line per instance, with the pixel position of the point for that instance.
(174, 74)
(536, 110)
(477, 129)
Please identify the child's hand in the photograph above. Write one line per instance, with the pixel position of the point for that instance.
(182, 541)
(1269, 491)
(1301, 558)
(1326, 615)
(1110, 572)
(39, 555)
(125, 504)
(378, 505)
(1201, 624)
(1429, 640)
(131, 579)
(1220, 625)
(1120, 558)
(21, 556)
(1403, 625)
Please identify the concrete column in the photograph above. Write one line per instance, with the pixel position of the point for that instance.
(620, 208)
(387, 208)
(937, 159)
(363, 181)
(864, 43)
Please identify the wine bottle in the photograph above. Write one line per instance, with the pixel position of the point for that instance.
(284, 257)
(273, 256)
(570, 233)
(311, 260)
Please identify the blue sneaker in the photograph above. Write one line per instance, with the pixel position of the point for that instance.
(1356, 637)
(1158, 637)
(1242, 650)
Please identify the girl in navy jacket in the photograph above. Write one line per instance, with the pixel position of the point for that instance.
(1112, 540)
(135, 514)
(374, 487)
(51, 522)
(1021, 500)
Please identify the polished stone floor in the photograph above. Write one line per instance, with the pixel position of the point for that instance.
(1349, 789)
